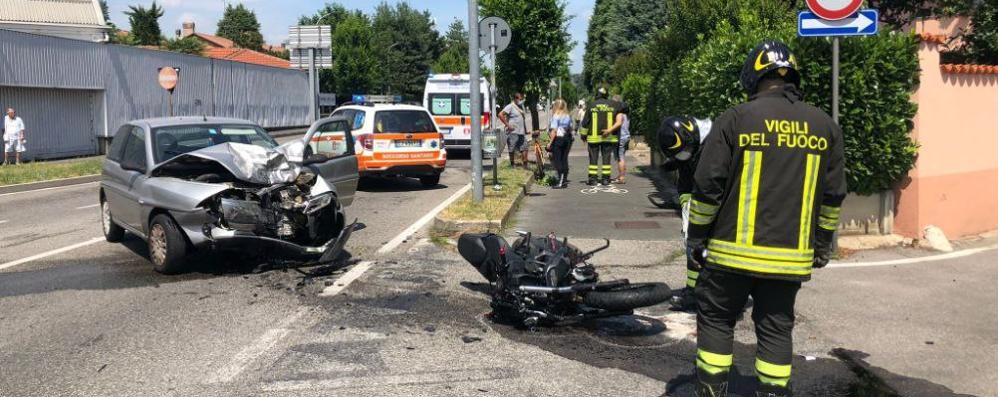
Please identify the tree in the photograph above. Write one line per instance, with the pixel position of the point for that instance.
(981, 42)
(239, 24)
(354, 64)
(186, 45)
(454, 58)
(407, 43)
(617, 28)
(145, 23)
(538, 51)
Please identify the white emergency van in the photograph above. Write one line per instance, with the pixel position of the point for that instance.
(448, 98)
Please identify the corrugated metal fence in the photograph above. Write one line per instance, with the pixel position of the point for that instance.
(56, 83)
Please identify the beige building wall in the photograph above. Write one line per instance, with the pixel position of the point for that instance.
(955, 182)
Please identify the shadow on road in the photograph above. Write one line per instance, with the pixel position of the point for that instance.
(118, 270)
(389, 185)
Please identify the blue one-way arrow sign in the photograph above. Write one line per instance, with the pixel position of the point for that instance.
(862, 23)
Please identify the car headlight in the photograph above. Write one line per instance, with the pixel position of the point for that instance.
(317, 203)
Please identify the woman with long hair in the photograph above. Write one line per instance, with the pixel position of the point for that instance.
(560, 132)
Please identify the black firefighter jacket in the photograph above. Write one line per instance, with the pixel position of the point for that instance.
(770, 174)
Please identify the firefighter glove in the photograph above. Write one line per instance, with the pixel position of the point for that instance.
(696, 251)
(822, 247)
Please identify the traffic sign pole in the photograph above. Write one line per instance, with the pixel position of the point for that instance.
(492, 109)
(474, 37)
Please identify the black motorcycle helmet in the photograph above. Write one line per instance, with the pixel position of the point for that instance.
(679, 140)
(767, 57)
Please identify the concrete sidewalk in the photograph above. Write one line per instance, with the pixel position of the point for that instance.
(621, 212)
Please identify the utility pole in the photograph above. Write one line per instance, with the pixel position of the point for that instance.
(478, 193)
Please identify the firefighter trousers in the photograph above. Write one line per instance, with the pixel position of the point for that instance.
(721, 296)
(604, 151)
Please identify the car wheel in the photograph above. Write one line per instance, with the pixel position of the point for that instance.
(167, 247)
(112, 232)
(430, 181)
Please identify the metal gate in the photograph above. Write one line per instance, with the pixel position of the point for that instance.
(58, 122)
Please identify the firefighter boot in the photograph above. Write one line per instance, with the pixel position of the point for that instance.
(592, 180)
(685, 301)
(767, 390)
(605, 181)
(712, 389)
(715, 385)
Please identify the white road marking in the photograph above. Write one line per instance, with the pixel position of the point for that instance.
(248, 354)
(398, 240)
(49, 188)
(363, 379)
(88, 206)
(908, 261)
(50, 253)
(4, 221)
(344, 281)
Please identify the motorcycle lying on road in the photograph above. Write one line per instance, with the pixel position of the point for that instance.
(547, 281)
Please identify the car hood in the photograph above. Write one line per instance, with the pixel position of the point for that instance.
(249, 163)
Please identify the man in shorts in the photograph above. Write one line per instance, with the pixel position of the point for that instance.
(13, 136)
(514, 118)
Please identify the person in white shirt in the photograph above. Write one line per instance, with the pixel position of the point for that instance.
(13, 136)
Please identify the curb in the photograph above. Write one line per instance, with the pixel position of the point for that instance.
(24, 187)
(460, 226)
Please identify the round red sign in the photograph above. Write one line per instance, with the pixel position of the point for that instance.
(168, 77)
(834, 10)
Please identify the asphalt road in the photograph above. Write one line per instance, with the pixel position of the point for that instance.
(96, 320)
(406, 316)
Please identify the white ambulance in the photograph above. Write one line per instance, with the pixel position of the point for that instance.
(447, 97)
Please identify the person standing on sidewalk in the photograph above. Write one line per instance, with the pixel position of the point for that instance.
(515, 120)
(597, 128)
(766, 201)
(13, 136)
(560, 142)
(622, 127)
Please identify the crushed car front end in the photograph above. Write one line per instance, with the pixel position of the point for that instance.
(278, 211)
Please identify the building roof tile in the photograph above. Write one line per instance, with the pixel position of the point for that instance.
(246, 56)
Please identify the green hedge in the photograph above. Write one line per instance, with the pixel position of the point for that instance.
(877, 75)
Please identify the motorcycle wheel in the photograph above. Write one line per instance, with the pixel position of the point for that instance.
(628, 296)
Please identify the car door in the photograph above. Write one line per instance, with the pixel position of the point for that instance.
(114, 179)
(333, 145)
(134, 164)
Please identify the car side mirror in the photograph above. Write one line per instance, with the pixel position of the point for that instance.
(315, 158)
(132, 166)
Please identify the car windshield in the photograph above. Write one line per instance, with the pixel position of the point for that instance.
(403, 122)
(173, 141)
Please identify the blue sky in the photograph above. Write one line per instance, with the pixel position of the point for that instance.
(276, 15)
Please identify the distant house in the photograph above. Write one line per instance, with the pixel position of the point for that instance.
(71, 19)
(223, 48)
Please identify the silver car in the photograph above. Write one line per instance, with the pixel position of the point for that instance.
(201, 183)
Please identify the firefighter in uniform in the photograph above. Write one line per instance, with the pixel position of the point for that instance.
(597, 127)
(680, 139)
(765, 204)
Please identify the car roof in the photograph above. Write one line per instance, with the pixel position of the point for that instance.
(189, 120)
(383, 106)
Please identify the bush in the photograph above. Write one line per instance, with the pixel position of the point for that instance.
(877, 76)
(635, 89)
